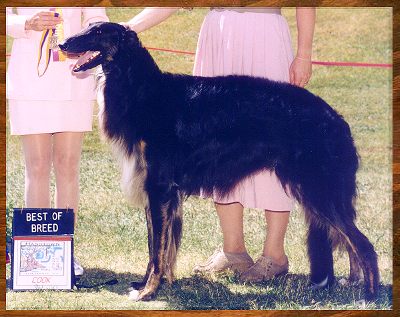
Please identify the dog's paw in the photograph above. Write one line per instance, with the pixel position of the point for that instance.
(356, 279)
(134, 295)
(320, 285)
(139, 295)
(343, 282)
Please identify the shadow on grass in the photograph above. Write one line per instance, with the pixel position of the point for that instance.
(95, 280)
(226, 292)
(288, 292)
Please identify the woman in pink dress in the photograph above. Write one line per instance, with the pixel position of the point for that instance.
(254, 42)
(49, 107)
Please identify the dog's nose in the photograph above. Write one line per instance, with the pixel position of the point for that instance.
(63, 47)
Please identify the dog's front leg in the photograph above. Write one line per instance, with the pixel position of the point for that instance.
(163, 204)
(141, 285)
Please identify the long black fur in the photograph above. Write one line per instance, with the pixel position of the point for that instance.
(186, 133)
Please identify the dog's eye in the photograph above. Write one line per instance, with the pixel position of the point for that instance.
(98, 32)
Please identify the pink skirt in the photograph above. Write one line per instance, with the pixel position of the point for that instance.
(49, 116)
(254, 44)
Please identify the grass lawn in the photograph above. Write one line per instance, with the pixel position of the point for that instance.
(111, 237)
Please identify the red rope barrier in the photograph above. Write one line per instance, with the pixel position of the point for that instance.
(352, 64)
(170, 51)
(345, 64)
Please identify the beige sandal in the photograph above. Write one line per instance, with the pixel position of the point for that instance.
(265, 268)
(221, 261)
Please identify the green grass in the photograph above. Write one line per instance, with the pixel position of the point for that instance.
(111, 238)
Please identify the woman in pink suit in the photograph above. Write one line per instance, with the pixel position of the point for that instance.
(254, 42)
(49, 106)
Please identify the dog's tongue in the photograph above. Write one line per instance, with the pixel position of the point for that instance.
(83, 58)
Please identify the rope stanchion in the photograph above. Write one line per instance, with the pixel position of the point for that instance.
(319, 63)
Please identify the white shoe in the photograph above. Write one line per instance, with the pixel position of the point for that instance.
(78, 269)
(221, 261)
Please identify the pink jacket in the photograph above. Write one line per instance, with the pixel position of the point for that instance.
(58, 83)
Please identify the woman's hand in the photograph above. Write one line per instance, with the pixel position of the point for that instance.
(300, 71)
(43, 20)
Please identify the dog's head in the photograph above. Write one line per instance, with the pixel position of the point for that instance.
(96, 44)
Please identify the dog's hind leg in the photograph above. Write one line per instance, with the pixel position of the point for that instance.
(361, 250)
(320, 255)
(164, 225)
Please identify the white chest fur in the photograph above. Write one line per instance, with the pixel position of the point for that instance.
(134, 173)
(133, 166)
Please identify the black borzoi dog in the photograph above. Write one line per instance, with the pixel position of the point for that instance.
(177, 134)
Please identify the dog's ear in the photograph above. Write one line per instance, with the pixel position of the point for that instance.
(131, 38)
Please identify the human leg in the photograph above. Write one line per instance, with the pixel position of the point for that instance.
(67, 149)
(277, 223)
(37, 155)
(233, 255)
(231, 222)
(273, 261)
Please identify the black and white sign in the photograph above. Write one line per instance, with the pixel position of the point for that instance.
(42, 249)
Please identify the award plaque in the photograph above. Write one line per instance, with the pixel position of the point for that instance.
(42, 249)
(42, 263)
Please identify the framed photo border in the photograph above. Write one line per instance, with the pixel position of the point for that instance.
(395, 5)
